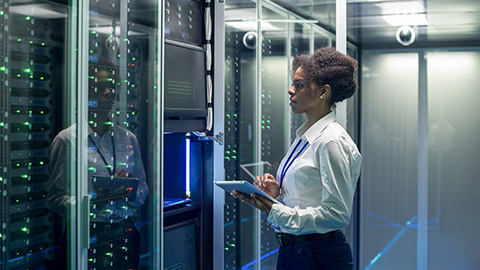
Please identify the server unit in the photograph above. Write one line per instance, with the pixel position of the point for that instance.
(32, 58)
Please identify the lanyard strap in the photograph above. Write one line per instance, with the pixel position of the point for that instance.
(103, 157)
(289, 163)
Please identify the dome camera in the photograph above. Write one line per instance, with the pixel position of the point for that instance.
(250, 40)
(405, 35)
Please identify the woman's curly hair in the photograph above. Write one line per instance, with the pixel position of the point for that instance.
(328, 66)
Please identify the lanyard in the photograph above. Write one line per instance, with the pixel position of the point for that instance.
(289, 163)
(103, 157)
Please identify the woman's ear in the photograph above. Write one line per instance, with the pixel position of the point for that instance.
(325, 92)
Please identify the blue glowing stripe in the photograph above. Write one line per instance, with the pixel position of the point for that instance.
(391, 242)
(246, 267)
(187, 162)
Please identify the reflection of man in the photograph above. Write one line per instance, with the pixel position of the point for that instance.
(113, 151)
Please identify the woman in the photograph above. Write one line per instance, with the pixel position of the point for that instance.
(316, 179)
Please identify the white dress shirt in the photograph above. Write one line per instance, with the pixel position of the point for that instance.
(319, 180)
(127, 156)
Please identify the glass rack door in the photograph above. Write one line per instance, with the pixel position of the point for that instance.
(121, 124)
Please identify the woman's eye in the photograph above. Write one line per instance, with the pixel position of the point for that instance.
(298, 85)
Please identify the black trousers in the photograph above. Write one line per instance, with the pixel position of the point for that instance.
(332, 253)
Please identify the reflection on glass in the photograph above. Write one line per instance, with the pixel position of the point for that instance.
(389, 174)
(32, 62)
(240, 84)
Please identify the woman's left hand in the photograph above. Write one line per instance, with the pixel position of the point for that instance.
(255, 200)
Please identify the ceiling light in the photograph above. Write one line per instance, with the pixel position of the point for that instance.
(406, 19)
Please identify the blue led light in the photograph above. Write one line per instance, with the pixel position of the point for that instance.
(187, 162)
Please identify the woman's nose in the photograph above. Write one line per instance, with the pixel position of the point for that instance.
(291, 91)
(107, 91)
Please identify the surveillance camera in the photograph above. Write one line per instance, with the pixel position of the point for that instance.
(250, 40)
(405, 35)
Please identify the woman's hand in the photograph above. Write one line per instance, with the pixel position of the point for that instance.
(255, 200)
(268, 184)
(123, 173)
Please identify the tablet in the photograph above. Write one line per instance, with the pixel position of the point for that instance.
(115, 187)
(242, 186)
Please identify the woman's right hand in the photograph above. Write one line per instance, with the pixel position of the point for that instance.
(268, 184)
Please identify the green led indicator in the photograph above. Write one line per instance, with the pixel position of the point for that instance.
(41, 162)
(146, 100)
(91, 168)
(17, 201)
(1, 179)
(18, 164)
(18, 75)
(41, 78)
(107, 211)
(93, 32)
(2, 124)
(118, 55)
(18, 111)
(1, 235)
(122, 163)
(91, 51)
(24, 229)
(31, 42)
(108, 254)
(109, 79)
(118, 112)
(26, 123)
(43, 43)
(27, 18)
(41, 112)
(19, 40)
(123, 247)
(91, 77)
(133, 58)
(24, 175)
(133, 113)
(108, 166)
(3, 68)
(90, 122)
(90, 260)
(226, 248)
(91, 214)
(1, 12)
(108, 123)
(232, 245)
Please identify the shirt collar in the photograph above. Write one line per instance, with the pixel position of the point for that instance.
(310, 133)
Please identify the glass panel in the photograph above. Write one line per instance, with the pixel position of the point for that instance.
(274, 113)
(300, 39)
(122, 36)
(33, 88)
(240, 85)
(453, 159)
(389, 148)
(320, 39)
